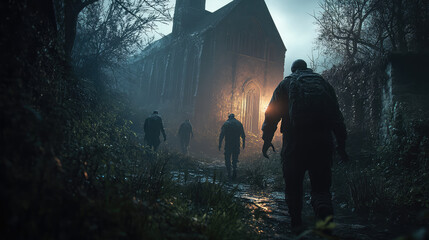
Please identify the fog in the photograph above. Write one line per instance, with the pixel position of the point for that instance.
(107, 134)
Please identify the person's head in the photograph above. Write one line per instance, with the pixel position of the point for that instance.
(231, 116)
(187, 120)
(298, 64)
(155, 112)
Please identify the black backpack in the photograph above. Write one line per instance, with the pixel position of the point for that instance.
(310, 104)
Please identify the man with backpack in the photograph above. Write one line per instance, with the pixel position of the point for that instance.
(185, 133)
(152, 128)
(232, 130)
(308, 108)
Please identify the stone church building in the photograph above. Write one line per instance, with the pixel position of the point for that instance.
(213, 64)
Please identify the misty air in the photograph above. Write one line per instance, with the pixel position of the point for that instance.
(214, 119)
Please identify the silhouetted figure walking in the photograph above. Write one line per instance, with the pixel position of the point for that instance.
(152, 128)
(308, 108)
(185, 133)
(232, 130)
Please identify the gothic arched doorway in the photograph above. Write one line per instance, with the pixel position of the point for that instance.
(251, 107)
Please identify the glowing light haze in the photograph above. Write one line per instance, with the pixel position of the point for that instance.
(293, 21)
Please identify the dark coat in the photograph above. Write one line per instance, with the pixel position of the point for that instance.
(232, 130)
(293, 139)
(185, 131)
(153, 126)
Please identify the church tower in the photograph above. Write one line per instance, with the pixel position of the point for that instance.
(187, 13)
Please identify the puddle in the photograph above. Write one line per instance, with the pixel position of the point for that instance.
(275, 222)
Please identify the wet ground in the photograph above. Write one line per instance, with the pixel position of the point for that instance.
(273, 220)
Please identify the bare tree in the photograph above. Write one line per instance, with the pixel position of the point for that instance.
(404, 24)
(67, 13)
(364, 29)
(109, 31)
(358, 35)
(342, 27)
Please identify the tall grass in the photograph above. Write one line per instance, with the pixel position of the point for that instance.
(367, 193)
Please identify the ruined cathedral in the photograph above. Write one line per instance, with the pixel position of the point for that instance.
(213, 64)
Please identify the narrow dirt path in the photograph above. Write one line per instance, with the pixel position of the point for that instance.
(274, 220)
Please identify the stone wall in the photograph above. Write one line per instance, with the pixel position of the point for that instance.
(405, 98)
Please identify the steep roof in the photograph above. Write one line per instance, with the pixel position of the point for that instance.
(210, 21)
(207, 23)
(213, 19)
(270, 26)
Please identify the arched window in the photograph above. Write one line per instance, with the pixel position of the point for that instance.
(251, 111)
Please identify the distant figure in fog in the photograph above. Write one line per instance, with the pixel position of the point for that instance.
(185, 133)
(232, 130)
(152, 128)
(308, 108)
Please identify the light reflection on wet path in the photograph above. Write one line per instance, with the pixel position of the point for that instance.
(274, 221)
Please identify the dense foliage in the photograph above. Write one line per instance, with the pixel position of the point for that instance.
(387, 140)
(72, 160)
(109, 32)
(73, 164)
(365, 30)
